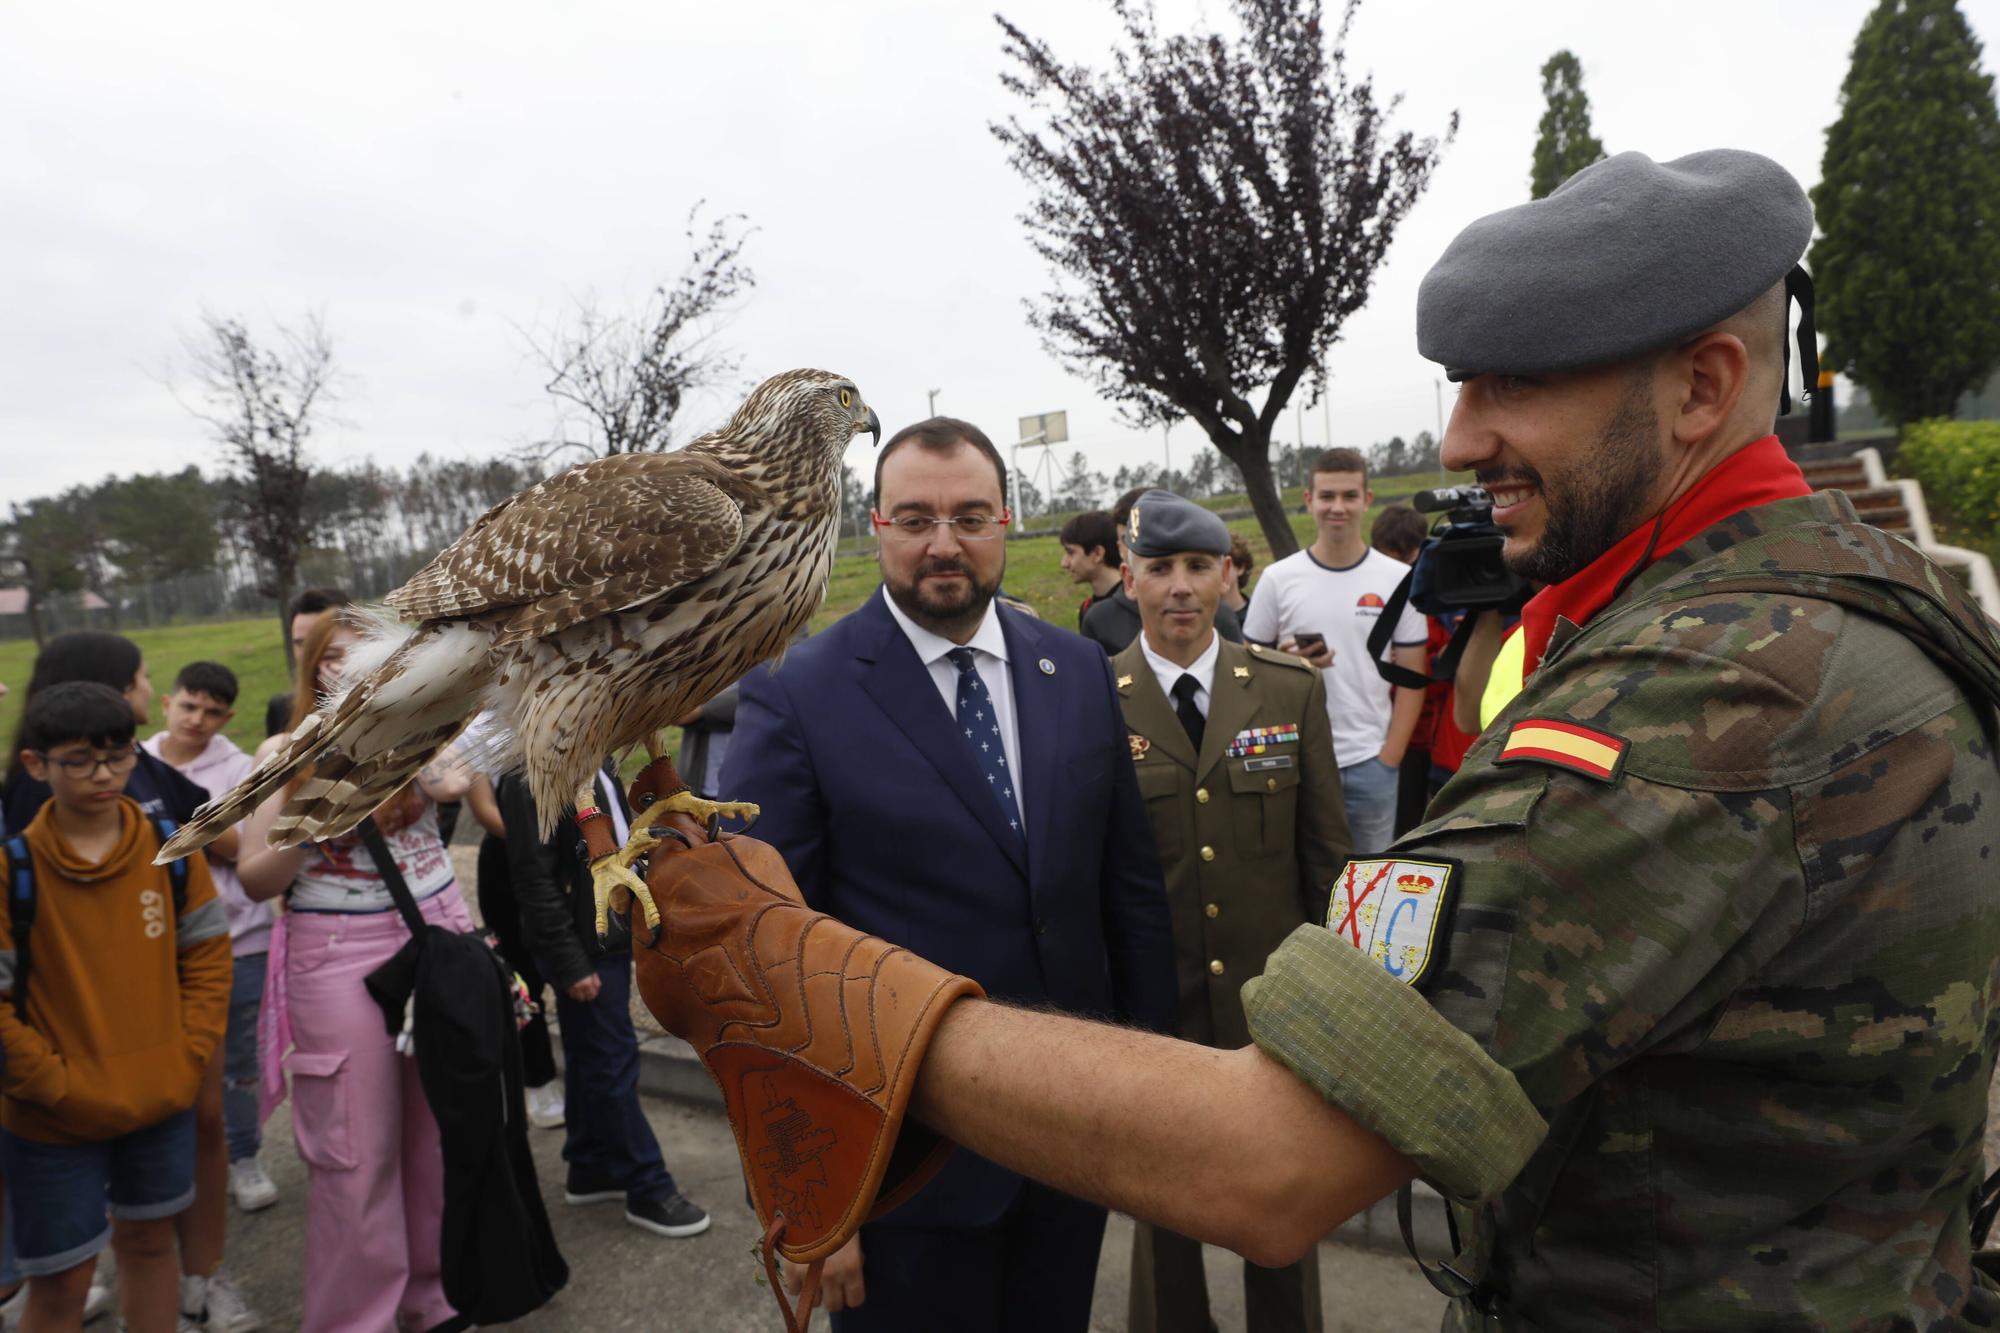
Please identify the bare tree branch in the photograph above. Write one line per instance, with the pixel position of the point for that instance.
(260, 404)
(620, 380)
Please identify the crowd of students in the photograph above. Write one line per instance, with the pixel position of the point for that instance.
(172, 1008)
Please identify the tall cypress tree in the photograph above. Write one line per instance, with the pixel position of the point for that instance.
(1908, 261)
(1566, 145)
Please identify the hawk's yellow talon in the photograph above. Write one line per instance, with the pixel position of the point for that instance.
(703, 810)
(613, 874)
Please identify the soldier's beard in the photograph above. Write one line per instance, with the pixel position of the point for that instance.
(947, 609)
(1592, 504)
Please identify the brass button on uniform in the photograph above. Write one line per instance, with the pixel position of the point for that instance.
(1201, 795)
(1216, 967)
(1208, 853)
(1270, 784)
(1213, 911)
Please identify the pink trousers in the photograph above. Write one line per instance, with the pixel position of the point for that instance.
(376, 1172)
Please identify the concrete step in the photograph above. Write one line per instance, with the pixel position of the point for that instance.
(1840, 473)
(669, 1068)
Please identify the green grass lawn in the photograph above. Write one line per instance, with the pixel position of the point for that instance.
(253, 649)
(255, 652)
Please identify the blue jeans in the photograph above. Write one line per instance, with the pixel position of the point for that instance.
(240, 1069)
(57, 1192)
(605, 1128)
(1368, 789)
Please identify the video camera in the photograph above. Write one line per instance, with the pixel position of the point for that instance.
(1458, 569)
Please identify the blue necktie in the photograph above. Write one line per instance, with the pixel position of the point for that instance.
(979, 724)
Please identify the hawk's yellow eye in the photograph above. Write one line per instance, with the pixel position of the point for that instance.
(847, 397)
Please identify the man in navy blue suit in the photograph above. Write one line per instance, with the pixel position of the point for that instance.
(955, 777)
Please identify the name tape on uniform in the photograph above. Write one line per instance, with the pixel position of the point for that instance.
(1396, 912)
(1595, 754)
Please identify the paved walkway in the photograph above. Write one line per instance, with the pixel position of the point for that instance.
(626, 1279)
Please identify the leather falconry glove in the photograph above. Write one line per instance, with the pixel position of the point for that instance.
(813, 1030)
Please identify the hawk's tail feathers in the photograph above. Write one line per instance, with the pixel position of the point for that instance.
(215, 818)
(340, 791)
(411, 694)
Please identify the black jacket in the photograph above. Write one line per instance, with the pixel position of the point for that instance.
(552, 886)
(496, 1248)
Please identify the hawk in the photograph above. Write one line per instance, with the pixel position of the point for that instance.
(586, 613)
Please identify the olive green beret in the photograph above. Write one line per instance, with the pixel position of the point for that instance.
(1627, 256)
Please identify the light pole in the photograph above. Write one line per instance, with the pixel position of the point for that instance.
(1438, 385)
(932, 394)
(1166, 449)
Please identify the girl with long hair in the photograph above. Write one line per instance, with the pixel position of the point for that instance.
(375, 1170)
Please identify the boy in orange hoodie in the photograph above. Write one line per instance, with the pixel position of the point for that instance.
(111, 1004)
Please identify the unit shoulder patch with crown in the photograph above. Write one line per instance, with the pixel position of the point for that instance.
(1397, 911)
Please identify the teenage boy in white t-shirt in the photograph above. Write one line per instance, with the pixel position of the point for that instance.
(1336, 589)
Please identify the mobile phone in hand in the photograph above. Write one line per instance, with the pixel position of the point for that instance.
(1309, 643)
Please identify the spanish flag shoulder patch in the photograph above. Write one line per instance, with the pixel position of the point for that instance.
(1595, 754)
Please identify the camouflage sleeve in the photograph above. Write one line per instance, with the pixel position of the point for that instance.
(1372, 1046)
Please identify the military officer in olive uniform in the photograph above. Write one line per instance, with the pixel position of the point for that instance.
(1235, 758)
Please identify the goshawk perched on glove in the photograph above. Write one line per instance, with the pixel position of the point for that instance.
(587, 613)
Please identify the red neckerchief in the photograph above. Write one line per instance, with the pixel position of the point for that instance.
(1756, 475)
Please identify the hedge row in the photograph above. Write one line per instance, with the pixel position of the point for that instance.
(1958, 463)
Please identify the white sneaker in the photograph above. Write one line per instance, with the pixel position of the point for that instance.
(250, 1187)
(103, 1295)
(545, 1106)
(13, 1308)
(213, 1305)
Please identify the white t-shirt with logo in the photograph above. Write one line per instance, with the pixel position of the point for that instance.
(1299, 593)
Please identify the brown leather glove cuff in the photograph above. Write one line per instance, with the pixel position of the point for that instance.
(813, 1030)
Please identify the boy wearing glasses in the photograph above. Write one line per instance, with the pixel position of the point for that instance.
(107, 1021)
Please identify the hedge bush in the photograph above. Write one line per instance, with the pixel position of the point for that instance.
(1958, 463)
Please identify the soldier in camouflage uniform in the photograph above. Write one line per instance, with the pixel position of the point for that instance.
(1683, 994)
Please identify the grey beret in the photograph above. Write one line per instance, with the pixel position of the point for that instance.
(1161, 523)
(1627, 256)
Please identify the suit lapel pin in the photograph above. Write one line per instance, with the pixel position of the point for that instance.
(1241, 673)
(1048, 667)
(1139, 746)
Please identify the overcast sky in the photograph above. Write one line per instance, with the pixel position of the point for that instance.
(438, 177)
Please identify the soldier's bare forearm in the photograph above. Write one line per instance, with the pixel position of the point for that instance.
(1224, 1146)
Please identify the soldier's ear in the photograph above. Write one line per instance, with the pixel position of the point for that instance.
(1125, 573)
(1707, 382)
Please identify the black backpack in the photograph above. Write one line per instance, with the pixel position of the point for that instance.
(21, 896)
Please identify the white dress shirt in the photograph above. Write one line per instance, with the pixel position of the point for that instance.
(1169, 673)
(989, 646)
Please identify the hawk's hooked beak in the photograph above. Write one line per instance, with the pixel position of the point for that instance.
(872, 424)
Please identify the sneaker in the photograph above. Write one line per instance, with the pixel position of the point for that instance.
(250, 1187)
(213, 1305)
(103, 1295)
(545, 1106)
(13, 1308)
(583, 1185)
(672, 1216)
